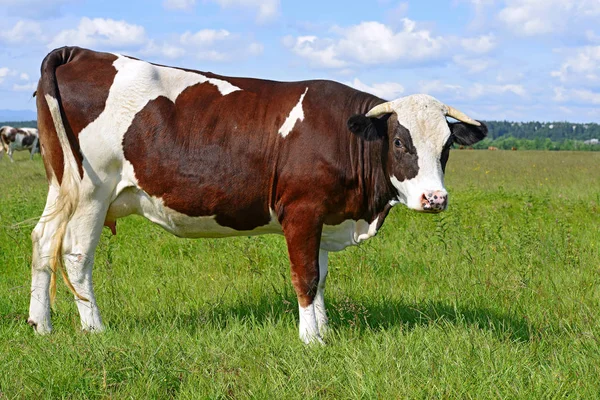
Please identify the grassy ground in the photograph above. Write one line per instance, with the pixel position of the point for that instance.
(497, 298)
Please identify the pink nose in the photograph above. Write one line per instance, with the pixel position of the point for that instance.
(435, 200)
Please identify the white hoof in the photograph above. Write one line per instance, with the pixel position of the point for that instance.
(41, 328)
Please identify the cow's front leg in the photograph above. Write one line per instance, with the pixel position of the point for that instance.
(303, 234)
(321, 314)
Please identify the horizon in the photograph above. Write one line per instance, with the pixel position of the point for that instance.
(496, 60)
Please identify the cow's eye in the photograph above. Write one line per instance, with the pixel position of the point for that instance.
(397, 143)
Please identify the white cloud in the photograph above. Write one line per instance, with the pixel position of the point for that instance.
(509, 76)
(481, 12)
(480, 45)
(33, 8)
(566, 110)
(26, 87)
(473, 65)
(480, 90)
(179, 4)
(591, 36)
(385, 90)
(24, 76)
(207, 44)
(370, 43)
(204, 37)
(24, 31)
(320, 53)
(583, 96)
(100, 32)
(166, 50)
(438, 87)
(4, 71)
(473, 91)
(398, 12)
(582, 65)
(266, 10)
(540, 17)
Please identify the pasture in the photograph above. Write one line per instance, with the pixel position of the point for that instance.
(499, 297)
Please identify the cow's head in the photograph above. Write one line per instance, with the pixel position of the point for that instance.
(417, 140)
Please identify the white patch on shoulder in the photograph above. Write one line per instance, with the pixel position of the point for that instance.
(296, 114)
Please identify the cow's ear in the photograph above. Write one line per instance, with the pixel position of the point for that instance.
(366, 128)
(466, 135)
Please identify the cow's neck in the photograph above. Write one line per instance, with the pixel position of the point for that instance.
(374, 191)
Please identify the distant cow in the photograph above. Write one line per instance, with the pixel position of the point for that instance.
(513, 148)
(204, 155)
(492, 148)
(17, 139)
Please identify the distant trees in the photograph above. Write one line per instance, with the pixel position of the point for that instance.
(20, 124)
(540, 136)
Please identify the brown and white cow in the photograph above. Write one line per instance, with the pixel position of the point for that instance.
(204, 155)
(18, 139)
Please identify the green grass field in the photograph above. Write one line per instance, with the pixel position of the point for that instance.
(499, 297)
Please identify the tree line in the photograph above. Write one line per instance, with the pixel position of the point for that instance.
(20, 124)
(540, 136)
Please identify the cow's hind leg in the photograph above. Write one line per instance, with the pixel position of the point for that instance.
(79, 247)
(41, 238)
(34, 148)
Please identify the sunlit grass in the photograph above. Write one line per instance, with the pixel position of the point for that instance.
(496, 298)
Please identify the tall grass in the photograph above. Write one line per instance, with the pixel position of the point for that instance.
(499, 297)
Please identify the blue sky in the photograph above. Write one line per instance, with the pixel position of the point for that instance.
(519, 60)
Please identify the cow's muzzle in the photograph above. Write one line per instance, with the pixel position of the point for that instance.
(434, 201)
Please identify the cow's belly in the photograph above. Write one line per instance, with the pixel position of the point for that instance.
(135, 201)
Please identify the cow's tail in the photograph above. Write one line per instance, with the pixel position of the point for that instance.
(68, 195)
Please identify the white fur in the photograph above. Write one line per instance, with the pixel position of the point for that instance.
(309, 330)
(348, 233)
(320, 312)
(41, 238)
(296, 114)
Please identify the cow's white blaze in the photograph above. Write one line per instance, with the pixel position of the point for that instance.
(296, 114)
(425, 119)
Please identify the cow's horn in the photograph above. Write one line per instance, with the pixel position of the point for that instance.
(383, 108)
(461, 116)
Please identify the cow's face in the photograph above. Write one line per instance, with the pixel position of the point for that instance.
(417, 140)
